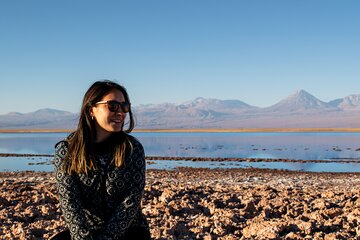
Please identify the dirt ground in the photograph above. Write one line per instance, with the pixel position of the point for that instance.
(191, 203)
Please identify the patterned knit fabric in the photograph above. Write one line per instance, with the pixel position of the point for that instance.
(106, 202)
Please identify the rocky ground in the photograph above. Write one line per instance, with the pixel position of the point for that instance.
(205, 204)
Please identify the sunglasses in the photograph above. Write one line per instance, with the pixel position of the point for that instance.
(115, 106)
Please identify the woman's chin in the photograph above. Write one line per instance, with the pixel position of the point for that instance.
(116, 127)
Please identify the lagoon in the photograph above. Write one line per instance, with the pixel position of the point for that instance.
(339, 146)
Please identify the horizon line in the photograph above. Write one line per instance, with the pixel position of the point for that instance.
(194, 130)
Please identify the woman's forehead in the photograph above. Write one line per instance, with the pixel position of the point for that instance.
(114, 94)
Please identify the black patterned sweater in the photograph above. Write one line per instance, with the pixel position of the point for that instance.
(106, 202)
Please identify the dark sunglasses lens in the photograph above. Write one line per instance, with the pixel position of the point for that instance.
(116, 106)
(113, 106)
(125, 107)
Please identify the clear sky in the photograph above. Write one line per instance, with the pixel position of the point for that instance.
(257, 51)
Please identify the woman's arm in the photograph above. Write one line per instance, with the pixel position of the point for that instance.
(67, 186)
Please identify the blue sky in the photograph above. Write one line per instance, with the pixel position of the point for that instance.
(174, 51)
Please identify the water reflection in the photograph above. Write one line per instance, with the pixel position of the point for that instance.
(32, 143)
(308, 146)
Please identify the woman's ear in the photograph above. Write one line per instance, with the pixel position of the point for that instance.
(91, 112)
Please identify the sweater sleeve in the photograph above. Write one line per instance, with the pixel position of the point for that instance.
(70, 203)
(127, 210)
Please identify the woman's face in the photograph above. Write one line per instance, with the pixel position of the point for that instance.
(108, 122)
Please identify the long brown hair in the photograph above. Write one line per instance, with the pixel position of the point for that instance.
(80, 157)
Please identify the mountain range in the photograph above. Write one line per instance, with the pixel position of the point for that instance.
(299, 110)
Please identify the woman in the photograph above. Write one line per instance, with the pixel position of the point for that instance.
(100, 170)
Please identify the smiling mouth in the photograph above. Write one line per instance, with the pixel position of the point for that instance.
(117, 120)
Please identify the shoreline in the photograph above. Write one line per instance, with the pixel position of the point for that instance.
(195, 130)
(214, 159)
(205, 204)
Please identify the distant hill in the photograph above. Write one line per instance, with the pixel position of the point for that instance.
(299, 110)
(40, 119)
(351, 102)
